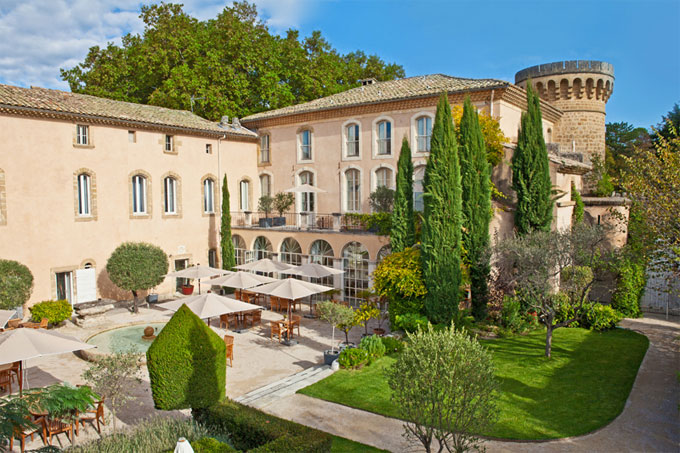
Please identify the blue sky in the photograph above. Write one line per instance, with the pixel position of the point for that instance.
(461, 38)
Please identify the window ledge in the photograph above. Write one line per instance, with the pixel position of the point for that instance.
(351, 158)
(75, 145)
(85, 218)
(383, 156)
(264, 164)
(170, 152)
(174, 215)
(140, 216)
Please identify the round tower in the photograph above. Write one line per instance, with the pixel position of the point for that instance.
(581, 89)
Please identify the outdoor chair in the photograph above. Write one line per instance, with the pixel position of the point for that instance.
(6, 379)
(18, 374)
(253, 317)
(247, 296)
(22, 434)
(52, 427)
(93, 416)
(229, 318)
(13, 323)
(275, 330)
(274, 303)
(295, 323)
(36, 325)
(229, 343)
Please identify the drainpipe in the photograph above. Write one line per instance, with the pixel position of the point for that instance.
(219, 187)
(491, 105)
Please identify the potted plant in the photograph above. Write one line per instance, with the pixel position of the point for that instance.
(381, 318)
(336, 315)
(187, 289)
(346, 326)
(282, 203)
(266, 205)
(364, 314)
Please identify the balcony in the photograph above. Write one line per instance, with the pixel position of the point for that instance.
(311, 221)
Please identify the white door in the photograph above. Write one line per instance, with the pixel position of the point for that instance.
(86, 285)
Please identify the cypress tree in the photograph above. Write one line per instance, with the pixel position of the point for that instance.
(531, 171)
(403, 232)
(441, 235)
(228, 258)
(476, 194)
(579, 207)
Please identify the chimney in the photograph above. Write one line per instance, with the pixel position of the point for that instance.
(365, 82)
(235, 122)
(224, 121)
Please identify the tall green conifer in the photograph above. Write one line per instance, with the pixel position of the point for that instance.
(441, 235)
(228, 258)
(403, 232)
(531, 171)
(476, 194)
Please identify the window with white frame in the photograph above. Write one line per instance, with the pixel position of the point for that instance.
(352, 140)
(384, 138)
(307, 199)
(353, 183)
(169, 143)
(82, 134)
(306, 145)
(84, 200)
(244, 199)
(423, 134)
(208, 196)
(265, 185)
(291, 252)
(356, 278)
(139, 195)
(418, 178)
(239, 249)
(170, 195)
(383, 178)
(132, 137)
(264, 149)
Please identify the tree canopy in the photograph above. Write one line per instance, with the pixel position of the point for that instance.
(403, 232)
(621, 140)
(231, 65)
(16, 284)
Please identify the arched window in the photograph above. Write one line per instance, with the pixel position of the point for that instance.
(244, 195)
(352, 140)
(170, 195)
(139, 195)
(418, 178)
(84, 200)
(423, 134)
(265, 185)
(305, 138)
(208, 196)
(383, 178)
(263, 248)
(307, 199)
(264, 149)
(239, 249)
(383, 252)
(353, 182)
(291, 252)
(321, 252)
(384, 138)
(355, 264)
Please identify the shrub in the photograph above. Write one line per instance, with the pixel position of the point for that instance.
(187, 364)
(410, 322)
(55, 311)
(353, 358)
(511, 317)
(601, 317)
(373, 346)
(252, 430)
(211, 445)
(392, 345)
(16, 284)
(630, 287)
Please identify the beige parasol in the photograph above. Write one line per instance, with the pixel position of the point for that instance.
(210, 305)
(265, 265)
(198, 272)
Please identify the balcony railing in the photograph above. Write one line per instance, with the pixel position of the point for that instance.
(307, 221)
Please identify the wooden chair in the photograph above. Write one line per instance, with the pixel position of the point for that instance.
(229, 318)
(13, 323)
(295, 323)
(283, 305)
(247, 296)
(6, 379)
(36, 325)
(22, 434)
(229, 343)
(253, 317)
(275, 330)
(274, 303)
(18, 374)
(52, 427)
(93, 416)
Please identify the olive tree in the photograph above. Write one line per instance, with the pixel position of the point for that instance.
(137, 266)
(444, 385)
(16, 284)
(337, 315)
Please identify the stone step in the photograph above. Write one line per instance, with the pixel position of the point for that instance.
(287, 386)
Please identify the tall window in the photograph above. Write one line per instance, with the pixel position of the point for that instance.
(383, 178)
(306, 145)
(262, 247)
(265, 185)
(355, 265)
(306, 198)
(264, 149)
(208, 196)
(244, 200)
(138, 194)
(423, 134)
(352, 140)
(384, 138)
(291, 252)
(170, 195)
(239, 249)
(82, 134)
(353, 181)
(418, 178)
(84, 194)
(169, 142)
(212, 258)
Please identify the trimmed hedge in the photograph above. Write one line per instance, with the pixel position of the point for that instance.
(187, 364)
(55, 311)
(256, 432)
(211, 445)
(630, 287)
(16, 284)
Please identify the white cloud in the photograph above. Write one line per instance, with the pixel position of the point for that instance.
(37, 37)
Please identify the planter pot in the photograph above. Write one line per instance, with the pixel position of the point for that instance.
(278, 221)
(152, 298)
(379, 332)
(329, 357)
(187, 290)
(266, 223)
(344, 345)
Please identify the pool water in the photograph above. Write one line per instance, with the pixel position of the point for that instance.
(125, 339)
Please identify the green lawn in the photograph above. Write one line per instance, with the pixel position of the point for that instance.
(581, 388)
(342, 445)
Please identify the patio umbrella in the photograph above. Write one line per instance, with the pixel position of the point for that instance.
(241, 280)
(265, 265)
(22, 344)
(198, 272)
(293, 289)
(210, 305)
(314, 270)
(305, 188)
(6, 315)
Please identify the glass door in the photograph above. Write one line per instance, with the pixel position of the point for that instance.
(65, 286)
(179, 265)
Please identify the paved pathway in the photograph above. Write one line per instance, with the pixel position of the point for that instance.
(649, 422)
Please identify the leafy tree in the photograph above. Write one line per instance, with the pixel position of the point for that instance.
(621, 139)
(14, 414)
(441, 234)
(494, 138)
(336, 315)
(111, 376)
(16, 284)
(265, 204)
(598, 181)
(283, 201)
(448, 410)
(476, 190)
(137, 266)
(227, 246)
(531, 171)
(403, 232)
(669, 125)
(579, 207)
(381, 199)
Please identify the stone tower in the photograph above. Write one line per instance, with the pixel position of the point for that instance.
(581, 89)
